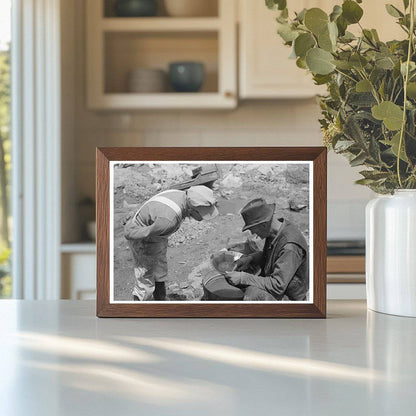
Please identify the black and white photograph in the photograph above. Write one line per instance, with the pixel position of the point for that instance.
(210, 232)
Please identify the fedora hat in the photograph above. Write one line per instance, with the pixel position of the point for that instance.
(256, 212)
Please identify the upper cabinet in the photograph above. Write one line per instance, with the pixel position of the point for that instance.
(128, 58)
(264, 65)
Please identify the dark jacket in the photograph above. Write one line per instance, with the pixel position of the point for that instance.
(285, 264)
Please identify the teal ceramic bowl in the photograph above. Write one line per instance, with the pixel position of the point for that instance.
(135, 8)
(186, 76)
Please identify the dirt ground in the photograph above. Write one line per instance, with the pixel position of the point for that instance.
(285, 185)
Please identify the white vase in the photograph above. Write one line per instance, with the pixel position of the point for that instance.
(391, 253)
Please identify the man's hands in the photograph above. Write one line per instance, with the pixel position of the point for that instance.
(237, 278)
(243, 263)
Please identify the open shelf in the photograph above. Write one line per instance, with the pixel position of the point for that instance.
(130, 101)
(160, 24)
(211, 9)
(127, 51)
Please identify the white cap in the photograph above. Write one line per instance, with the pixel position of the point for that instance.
(202, 199)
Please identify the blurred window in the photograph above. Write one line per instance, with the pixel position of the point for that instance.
(5, 148)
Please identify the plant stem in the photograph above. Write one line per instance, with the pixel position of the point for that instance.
(406, 80)
(345, 75)
(373, 90)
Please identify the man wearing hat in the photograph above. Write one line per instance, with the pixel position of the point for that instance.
(283, 261)
(148, 231)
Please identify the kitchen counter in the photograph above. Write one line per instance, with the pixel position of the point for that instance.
(57, 358)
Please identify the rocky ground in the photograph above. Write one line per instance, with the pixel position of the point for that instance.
(191, 247)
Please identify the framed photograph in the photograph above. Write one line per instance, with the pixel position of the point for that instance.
(211, 232)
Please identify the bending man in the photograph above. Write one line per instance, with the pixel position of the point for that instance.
(283, 261)
(148, 231)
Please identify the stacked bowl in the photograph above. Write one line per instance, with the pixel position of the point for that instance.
(147, 80)
(191, 8)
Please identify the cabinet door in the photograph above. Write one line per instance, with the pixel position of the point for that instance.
(265, 68)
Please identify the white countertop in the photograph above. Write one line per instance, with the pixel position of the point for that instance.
(56, 358)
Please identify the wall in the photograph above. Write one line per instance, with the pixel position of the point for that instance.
(256, 123)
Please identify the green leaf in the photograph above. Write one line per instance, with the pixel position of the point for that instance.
(354, 131)
(351, 11)
(333, 32)
(300, 17)
(325, 43)
(411, 90)
(301, 63)
(385, 63)
(358, 61)
(363, 86)
(276, 4)
(368, 36)
(343, 65)
(406, 4)
(286, 32)
(336, 12)
(342, 25)
(394, 144)
(361, 99)
(327, 40)
(364, 181)
(358, 160)
(316, 20)
(303, 43)
(393, 11)
(321, 79)
(412, 67)
(382, 88)
(390, 113)
(347, 37)
(374, 150)
(375, 35)
(284, 14)
(343, 145)
(374, 175)
(319, 61)
(283, 17)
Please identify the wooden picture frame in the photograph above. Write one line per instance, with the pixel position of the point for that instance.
(315, 308)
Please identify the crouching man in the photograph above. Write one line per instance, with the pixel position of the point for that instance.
(148, 230)
(283, 261)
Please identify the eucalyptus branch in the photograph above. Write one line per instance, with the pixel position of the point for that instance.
(365, 62)
(406, 80)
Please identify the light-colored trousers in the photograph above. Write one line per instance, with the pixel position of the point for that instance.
(150, 265)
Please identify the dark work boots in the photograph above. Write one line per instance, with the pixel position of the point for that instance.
(160, 291)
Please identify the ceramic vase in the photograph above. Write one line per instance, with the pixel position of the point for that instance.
(135, 8)
(391, 253)
(186, 76)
